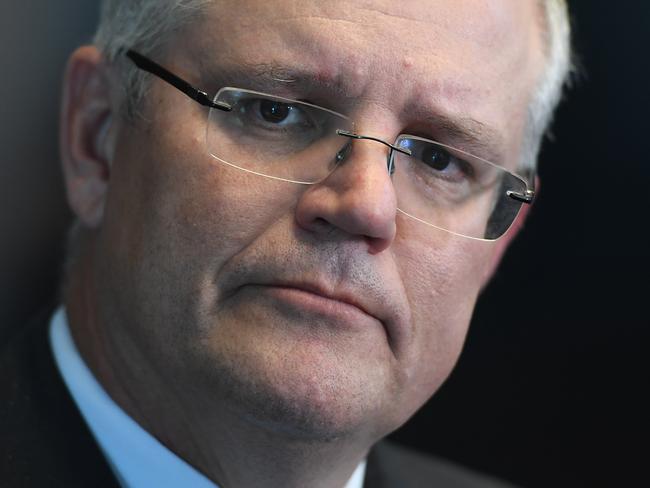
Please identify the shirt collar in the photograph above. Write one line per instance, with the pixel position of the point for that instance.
(137, 458)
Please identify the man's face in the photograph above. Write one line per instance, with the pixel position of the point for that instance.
(317, 310)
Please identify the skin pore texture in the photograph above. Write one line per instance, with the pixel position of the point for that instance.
(249, 323)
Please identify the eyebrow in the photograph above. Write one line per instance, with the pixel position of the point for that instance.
(467, 134)
(273, 75)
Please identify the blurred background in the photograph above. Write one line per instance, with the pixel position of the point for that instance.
(550, 390)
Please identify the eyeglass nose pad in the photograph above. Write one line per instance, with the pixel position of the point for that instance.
(391, 162)
(343, 154)
(391, 154)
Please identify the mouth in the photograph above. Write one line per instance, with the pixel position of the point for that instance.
(314, 299)
(343, 304)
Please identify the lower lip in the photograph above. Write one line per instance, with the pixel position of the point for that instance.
(314, 303)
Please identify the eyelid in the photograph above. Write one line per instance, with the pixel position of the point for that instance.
(454, 150)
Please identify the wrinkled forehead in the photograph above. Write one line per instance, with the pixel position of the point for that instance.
(470, 33)
(477, 58)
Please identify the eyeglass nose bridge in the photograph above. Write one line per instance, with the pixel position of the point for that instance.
(393, 148)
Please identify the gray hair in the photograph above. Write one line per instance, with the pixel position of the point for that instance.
(147, 26)
(547, 96)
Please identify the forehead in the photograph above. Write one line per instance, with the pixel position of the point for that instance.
(469, 58)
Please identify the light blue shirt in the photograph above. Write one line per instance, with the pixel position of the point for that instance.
(137, 458)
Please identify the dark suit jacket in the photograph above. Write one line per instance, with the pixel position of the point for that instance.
(44, 442)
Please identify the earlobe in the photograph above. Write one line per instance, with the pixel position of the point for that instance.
(87, 123)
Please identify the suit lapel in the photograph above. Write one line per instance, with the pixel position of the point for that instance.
(44, 439)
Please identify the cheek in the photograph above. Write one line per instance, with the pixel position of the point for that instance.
(174, 218)
(221, 210)
(192, 204)
(442, 275)
(181, 200)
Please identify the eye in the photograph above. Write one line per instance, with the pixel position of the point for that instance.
(437, 162)
(274, 112)
(436, 158)
(443, 164)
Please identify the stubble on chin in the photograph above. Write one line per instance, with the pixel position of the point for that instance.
(308, 390)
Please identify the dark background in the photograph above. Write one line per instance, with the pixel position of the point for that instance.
(549, 391)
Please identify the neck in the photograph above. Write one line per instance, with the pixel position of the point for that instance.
(222, 442)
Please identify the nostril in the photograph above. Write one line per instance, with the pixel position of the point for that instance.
(321, 225)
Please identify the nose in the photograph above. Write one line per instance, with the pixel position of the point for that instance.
(357, 199)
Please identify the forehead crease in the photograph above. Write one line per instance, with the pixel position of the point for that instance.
(487, 21)
(436, 46)
(276, 73)
(299, 50)
(396, 27)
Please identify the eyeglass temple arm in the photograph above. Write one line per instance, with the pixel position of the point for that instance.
(528, 195)
(525, 197)
(154, 68)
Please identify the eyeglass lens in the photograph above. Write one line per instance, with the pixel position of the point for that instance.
(298, 142)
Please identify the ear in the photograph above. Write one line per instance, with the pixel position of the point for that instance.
(86, 141)
(504, 241)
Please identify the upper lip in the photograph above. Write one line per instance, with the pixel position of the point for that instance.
(358, 285)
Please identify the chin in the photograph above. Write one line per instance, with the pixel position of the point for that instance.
(297, 419)
(309, 397)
